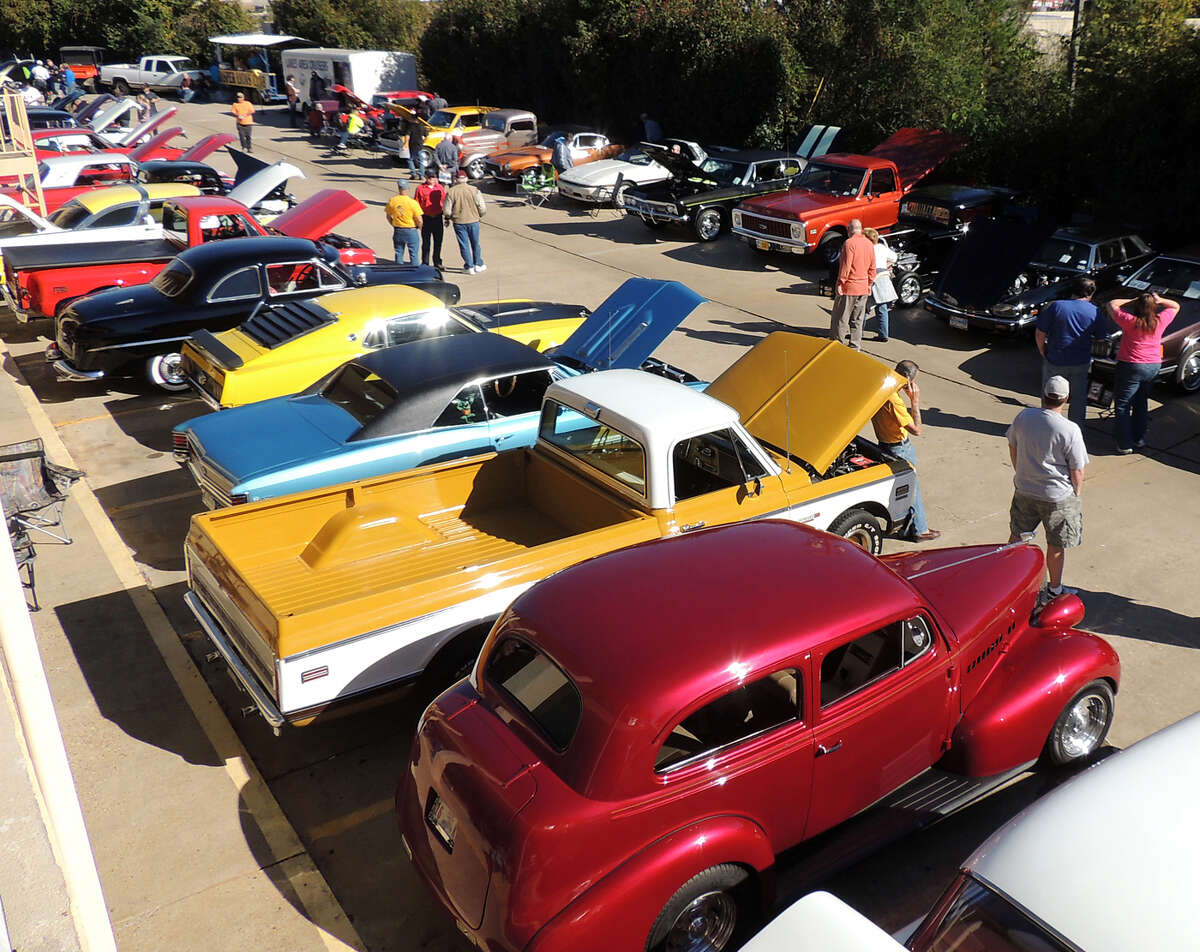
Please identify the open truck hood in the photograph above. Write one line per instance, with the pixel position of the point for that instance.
(316, 217)
(628, 327)
(805, 394)
(917, 152)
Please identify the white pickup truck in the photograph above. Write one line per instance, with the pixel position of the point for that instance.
(318, 598)
(160, 73)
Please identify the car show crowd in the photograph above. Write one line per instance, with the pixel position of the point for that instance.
(557, 790)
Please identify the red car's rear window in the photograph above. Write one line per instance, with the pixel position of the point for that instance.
(539, 689)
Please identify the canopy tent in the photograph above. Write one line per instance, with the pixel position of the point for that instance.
(260, 86)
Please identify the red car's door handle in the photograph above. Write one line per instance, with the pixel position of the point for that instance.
(822, 750)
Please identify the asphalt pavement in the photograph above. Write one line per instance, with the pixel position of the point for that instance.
(211, 832)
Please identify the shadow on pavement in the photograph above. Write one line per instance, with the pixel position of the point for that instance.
(1112, 614)
(152, 514)
(622, 232)
(744, 333)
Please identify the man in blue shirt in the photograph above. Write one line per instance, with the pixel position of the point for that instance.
(1064, 335)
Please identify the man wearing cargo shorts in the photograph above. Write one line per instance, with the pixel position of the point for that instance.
(1048, 458)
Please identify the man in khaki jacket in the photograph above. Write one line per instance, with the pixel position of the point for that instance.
(464, 208)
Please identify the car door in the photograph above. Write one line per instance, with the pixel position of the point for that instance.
(745, 748)
(717, 478)
(513, 405)
(881, 200)
(461, 429)
(883, 699)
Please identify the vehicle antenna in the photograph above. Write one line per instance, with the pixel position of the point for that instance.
(787, 415)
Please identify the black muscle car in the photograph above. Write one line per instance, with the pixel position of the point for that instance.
(702, 191)
(211, 287)
(1003, 272)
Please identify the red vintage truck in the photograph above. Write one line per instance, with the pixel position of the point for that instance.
(814, 214)
(40, 281)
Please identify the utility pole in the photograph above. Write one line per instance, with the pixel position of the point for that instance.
(1073, 53)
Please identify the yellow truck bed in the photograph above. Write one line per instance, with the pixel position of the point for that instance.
(323, 565)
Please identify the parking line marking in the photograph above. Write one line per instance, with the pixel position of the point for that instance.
(143, 503)
(334, 929)
(129, 411)
(352, 819)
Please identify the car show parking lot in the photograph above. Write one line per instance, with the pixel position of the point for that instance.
(334, 780)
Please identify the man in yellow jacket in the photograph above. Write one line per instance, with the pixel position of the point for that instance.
(404, 215)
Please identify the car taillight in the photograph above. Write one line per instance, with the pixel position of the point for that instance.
(238, 499)
(180, 447)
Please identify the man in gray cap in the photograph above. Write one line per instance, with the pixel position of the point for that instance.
(1048, 458)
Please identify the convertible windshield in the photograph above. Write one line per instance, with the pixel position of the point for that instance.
(69, 216)
(174, 279)
(360, 392)
(634, 157)
(980, 920)
(831, 179)
(596, 445)
(1168, 276)
(724, 172)
(1063, 253)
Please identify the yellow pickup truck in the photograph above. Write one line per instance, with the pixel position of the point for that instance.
(326, 596)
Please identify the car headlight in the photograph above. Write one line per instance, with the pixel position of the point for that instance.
(797, 231)
(737, 219)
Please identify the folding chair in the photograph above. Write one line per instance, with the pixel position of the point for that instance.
(33, 490)
(538, 183)
(24, 553)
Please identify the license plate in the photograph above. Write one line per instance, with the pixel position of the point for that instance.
(441, 821)
(763, 245)
(958, 323)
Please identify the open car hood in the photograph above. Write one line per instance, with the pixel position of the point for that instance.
(351, 96)
(147, 127)
(111, 113)
(255, 180)
(406, 113)
(917, 152)
(986, 261)
(315, 217)
(806, 395)
(680, 166)
(627, 328)
(207, 146)
(154, 147)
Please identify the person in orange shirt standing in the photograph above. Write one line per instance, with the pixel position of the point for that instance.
(855, 277)
(243, 112)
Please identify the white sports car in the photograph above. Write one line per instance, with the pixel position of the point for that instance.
(594, 182)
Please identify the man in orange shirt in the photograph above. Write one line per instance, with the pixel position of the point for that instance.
(243, 112)
(894, 423)
(856, 274)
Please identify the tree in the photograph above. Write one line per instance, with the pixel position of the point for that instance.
(356, 24)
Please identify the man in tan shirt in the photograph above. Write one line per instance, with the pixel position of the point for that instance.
(464, 208)
(856, 274)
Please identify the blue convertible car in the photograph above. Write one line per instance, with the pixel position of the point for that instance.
(419, 403)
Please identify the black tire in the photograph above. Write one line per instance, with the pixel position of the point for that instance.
(256, 97)
(861, 528)
(164, 372)
(653, 223)
(452, 663)
(830, 248)
(1187, 374)
(1083, 724)
(120, 87)
(708, 224)
(618, 198)
(909, 289)
(714, 902)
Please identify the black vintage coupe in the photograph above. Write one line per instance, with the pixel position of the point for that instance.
(1003, 272)
(210, 287)
(703, 191)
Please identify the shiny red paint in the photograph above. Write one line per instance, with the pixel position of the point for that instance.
(44, 290)
(554, 849)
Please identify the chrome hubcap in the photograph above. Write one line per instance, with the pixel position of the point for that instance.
(706, 925)
(861, 537)
(709, 225)
(169, 367)
(1085, 725)
(910, 290)
(1189, 378)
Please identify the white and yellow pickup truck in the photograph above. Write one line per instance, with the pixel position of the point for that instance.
(328, 596)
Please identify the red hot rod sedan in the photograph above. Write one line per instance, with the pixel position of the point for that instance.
(645, 731)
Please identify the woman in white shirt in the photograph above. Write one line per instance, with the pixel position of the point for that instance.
(883, 292)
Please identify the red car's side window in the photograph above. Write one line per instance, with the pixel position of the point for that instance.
(855, 664)
(746, 711)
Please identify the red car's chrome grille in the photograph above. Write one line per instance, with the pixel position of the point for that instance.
(766, 226)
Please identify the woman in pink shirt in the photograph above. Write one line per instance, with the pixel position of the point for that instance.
(1139, 359)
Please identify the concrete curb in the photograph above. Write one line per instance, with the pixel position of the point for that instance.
(321, 906)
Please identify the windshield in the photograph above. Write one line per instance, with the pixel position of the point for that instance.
(595, 445)
(634, 157)
(552, 138)
(1064, 253)
(830, 179)
(980, 920)
(443, 117)
(360, 392)
(724, 172)
(174, 279)
(1169, 276)
(12, 222)
(70, 215)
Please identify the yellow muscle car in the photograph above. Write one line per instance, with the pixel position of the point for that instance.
(284, 348)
